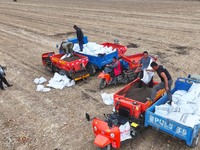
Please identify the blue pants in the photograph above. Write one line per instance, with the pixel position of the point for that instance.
(81, 45)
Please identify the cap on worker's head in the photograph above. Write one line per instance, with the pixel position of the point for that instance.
(154, 64)
(145, 52)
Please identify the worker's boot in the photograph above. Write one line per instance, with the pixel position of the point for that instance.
(6, 82)
(9, 85)
(1, 85)
(169, 102)
(3, 88)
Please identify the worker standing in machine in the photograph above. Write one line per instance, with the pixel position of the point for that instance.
(80, 37)
(166, 82)
(3, 79)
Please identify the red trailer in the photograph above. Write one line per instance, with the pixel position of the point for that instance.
(73, 67)
(120, 48)
(130, 106)
(134, 60)
(127, 75)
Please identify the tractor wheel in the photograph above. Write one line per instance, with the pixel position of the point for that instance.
(91, 69)
(108, 147)
(102, 84)
(49, 65)
(63, 72)
(195, 141)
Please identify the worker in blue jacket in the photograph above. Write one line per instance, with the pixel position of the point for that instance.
(144, 63)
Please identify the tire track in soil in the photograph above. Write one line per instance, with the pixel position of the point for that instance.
(159, 28)
(16, 57)
(45, 110)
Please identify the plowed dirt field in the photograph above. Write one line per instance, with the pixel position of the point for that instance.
(30, 120)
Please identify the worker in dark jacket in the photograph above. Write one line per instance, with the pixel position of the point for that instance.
(166, 81)
(3, 79)
(80, 36)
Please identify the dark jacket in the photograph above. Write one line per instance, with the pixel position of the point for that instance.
(79, 34)
(2, 72)
(163, 69)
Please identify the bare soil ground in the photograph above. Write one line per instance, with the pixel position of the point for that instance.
(45, 121)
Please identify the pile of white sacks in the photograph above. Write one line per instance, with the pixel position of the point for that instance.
(93, 49)
(185, 107)
(58, 82)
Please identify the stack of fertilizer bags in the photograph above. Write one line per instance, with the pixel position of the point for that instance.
(93, 49)
(185, 107)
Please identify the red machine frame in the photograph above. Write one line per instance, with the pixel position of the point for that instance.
(71, 67)
(106, 135)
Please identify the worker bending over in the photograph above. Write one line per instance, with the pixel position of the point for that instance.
(166, 82)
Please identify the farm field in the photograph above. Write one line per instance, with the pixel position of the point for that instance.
(31, 120)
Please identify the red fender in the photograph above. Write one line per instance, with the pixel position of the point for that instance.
(105, 76)
(101, 141)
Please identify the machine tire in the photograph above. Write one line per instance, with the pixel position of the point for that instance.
(49, 66)
(91, 69)
(108, 147)
(63, 72)
(102, 84)
(195, 141)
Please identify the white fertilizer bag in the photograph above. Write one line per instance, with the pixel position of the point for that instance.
(59, 82)
(163, 110)
(195, 89)
(186, 99)
(177, 95)
(107, 98)
(63, 57)
(41, 88)
(40, 80)
(147, 75)
(125, 131)
(93, 49)
(185, 119)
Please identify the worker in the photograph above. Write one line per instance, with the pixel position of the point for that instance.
(166, 82)
(116, 41)
(68, 48)
(3, 79)
(144, 63)
(80, 36)
(116, 66)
